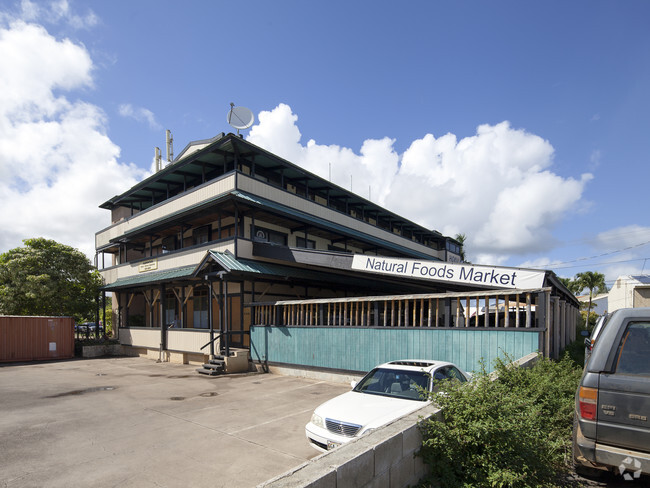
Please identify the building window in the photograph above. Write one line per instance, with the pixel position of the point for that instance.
(169, 244)
(306, 243)
(200, 303)
(451, 247)
(260, 234)
(171, 311)
(201, 235)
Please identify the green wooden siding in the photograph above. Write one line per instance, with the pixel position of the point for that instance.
(362, 348)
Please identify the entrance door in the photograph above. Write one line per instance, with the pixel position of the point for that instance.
(238, 323)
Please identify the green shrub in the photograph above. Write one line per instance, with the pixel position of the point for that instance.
(576, 351)
(514, 431)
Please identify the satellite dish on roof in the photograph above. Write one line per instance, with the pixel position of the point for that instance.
(240, 117)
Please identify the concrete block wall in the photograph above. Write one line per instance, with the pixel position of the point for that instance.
(102, 350)
(384, 458)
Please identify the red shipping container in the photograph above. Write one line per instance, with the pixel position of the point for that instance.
(36, 338)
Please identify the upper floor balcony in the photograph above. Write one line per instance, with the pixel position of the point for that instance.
(226, 186)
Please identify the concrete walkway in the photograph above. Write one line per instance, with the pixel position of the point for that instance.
(132, 422)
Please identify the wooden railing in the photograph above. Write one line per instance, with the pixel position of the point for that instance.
(515, 308)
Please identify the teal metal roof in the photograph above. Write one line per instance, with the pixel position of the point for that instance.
(151, 277)
(231, 264)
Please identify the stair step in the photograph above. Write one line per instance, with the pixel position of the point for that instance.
(217, 366)
(209, 372)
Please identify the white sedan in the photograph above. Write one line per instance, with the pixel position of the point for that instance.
(386, 393)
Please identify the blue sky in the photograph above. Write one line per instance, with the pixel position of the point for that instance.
(521, 124)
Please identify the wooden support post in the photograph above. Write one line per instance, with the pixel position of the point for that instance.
(447, 302)
(557, 330)
(517, 308)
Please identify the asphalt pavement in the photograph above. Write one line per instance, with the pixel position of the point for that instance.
(133, 422)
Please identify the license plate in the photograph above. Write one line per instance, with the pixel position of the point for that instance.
(331, 445)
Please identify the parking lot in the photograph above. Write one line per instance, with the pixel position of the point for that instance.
(132, 422)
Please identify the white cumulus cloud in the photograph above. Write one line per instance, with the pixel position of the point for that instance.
(56, 11)
(139, 114)
(56, 162)
(497, 186)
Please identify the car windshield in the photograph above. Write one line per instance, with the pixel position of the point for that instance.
(395, 383)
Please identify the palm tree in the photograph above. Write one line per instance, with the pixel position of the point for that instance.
(572, 285)
(461, 238)
(592, 280)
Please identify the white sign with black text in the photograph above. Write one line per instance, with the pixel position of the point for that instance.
(488, 276)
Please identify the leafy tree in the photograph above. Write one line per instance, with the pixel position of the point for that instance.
(593, 281)
(47, 278)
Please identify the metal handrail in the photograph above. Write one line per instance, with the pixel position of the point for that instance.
(211, 341)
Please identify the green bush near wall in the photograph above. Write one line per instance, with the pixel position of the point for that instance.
(514, 431)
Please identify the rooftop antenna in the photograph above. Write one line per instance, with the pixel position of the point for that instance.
(240, 117)
(158, 160)
(170, 145)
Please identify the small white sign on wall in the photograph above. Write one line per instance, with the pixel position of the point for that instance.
(52, 346)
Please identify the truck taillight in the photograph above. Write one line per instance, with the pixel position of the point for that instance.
(588, 402)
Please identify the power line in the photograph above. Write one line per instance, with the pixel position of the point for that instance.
(645, 230)
(593, 264)
(558, 265)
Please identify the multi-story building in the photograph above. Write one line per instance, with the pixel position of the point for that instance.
(228, 223)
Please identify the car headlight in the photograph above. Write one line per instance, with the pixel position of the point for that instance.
(317, 420)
